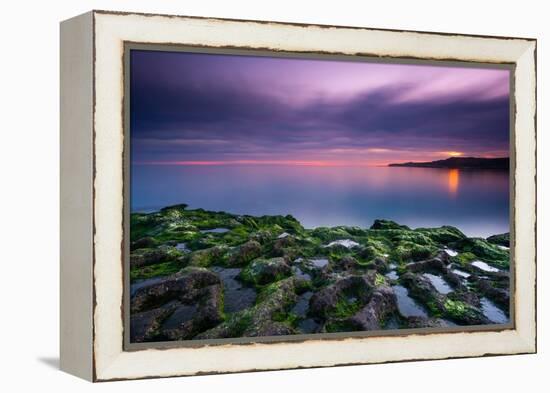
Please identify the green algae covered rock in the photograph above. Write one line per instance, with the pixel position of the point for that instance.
(263, 271)
(500, 240)
(350, 275)
(387, 224)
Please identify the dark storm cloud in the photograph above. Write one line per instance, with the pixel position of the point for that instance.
(206, 107)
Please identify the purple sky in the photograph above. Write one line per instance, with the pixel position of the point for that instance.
(200, 109)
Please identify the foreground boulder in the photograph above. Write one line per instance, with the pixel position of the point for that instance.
(183, 286)
(259, 319)
(144, 325)
(203, 315)
(177, 308)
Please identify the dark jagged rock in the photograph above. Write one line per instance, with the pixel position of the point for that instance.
(207, 313)
(422, 289)
(498, 295)
(144, 325)
(434, 264)
(372, 316)
(183, 286)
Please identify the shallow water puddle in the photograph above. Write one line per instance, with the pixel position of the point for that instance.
(461, 273)
(484, 266)
(299, 273)
(320, 262)
(182, 247)
(215, 230)
(392, 275)
(407, 306)
(308, 325)
(302, 305)
(236, 296)
(492, 312)
(348, 243)
(451, 253)
(439, 283)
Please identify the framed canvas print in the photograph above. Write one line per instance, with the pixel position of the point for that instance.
(245, 195)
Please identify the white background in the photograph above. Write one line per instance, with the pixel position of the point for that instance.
(29, 196)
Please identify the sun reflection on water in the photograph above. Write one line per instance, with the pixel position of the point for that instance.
(454, 180)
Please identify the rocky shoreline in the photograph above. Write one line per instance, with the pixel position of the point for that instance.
(197, 274)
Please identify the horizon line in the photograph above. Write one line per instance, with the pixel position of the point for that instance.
(313, 163)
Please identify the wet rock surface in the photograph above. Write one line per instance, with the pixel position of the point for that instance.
(197, 274)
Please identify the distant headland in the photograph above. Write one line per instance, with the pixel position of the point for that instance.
(502, 163)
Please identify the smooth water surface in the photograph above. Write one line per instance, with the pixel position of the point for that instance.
(492, 312)
(407, 306)
(302, 305)
(320, 262)
(475, 201)
(236, 297)
(439, 283)
(484, 266)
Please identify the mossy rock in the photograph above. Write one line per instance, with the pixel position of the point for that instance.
(259, 320)
(245, 253)
(327, 235)
(421, 289)
(485, 251)
(263, 271)
(387, 224)
(150, 256)
(463, 313)
(500, 240)
(443, 235)
(158, 270)
(216, 255)
(408, 251)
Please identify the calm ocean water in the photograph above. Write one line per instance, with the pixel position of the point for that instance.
(475, 201)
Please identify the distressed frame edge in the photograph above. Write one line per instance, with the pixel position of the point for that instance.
(76, 196)
(528, 339)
